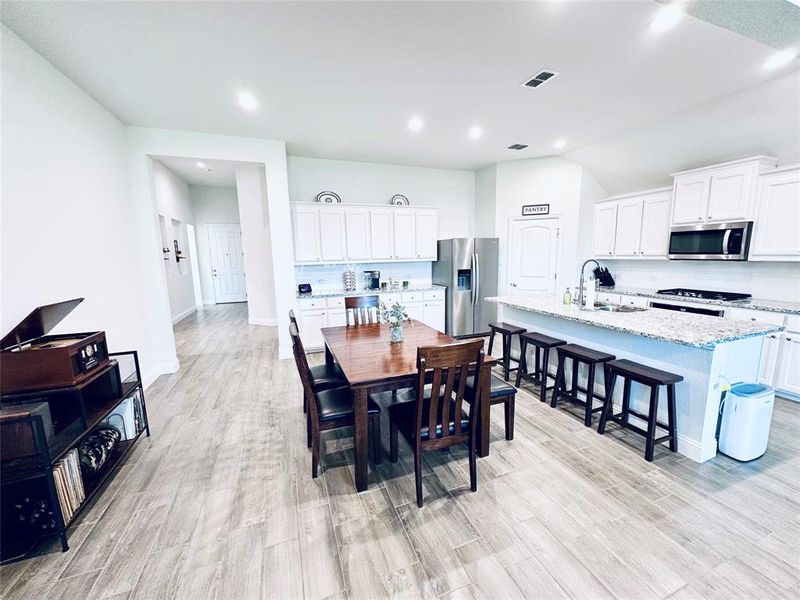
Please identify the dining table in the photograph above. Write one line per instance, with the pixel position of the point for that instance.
(372, 363)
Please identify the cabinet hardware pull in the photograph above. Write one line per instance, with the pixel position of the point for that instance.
(788, 339)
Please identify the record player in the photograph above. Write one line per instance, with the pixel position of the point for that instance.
(32, 360)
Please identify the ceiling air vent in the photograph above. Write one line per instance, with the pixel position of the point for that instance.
(540, 78)
(518, 146)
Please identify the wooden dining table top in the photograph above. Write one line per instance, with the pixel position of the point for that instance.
(366, 355)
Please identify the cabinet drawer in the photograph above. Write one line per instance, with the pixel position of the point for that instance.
(389, 299)
(411, 297)
(336, 302)
(311, 303)
(756, 316)
(434, 295)
(792, 323)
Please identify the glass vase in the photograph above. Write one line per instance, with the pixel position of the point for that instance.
(396, 333)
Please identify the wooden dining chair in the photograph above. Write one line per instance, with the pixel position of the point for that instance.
(433, 418)
(330, 408)
(322, 376)
(363, 308)
(293, 319)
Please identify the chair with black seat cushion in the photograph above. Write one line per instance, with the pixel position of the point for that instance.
(363, 308)
(541, 368)
(322, 376)
(330, 409)
(652, 378)
(503, 393)
(579, 355)
(433, 418)
(293, 319)
(508, 332)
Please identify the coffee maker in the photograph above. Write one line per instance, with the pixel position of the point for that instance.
(372, 280)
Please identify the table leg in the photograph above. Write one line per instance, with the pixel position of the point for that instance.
(360, 436)
(483, 421)
(328, 356)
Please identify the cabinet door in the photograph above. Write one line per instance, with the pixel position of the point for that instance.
(605, 229)
(335, 318)
(433, 314)
(405, 238)
(690, 199)
(381, 229)
(356, 222)
(629, 228)
(788, 378)
(306, 234)
(415, 311)
(769, 359)
(655, 225)
(311, 324)
(730, 193)
(331, 234)
(776, 231)
(427, 233)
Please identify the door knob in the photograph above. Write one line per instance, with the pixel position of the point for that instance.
(513, 285)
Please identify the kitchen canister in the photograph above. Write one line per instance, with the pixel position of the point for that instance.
(350, 281)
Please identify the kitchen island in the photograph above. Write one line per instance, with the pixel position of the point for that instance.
(706, 351)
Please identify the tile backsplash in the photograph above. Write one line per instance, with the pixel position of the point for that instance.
(325, 278)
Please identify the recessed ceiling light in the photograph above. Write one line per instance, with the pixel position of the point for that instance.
(201, 165)
(560, 143)
(475, 132)
(247, 100)
(415, 124)
(667, 17)
(780, 59)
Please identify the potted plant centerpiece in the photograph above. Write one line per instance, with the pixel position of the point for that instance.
(395, 315)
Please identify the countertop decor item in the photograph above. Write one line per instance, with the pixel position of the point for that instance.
(395, 315)
(329, 198)
(399, 200)
(350, 281)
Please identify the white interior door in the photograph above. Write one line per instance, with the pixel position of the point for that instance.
(533, 256)
(227, 263)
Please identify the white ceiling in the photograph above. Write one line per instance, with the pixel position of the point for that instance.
(215, 173)
(341, 79)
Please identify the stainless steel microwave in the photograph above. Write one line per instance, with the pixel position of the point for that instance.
(710, 241)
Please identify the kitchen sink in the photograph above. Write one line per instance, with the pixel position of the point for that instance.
(619, 308)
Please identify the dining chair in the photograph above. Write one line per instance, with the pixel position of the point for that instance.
(330, 408)
(432, 418)
(293, 319)
(363, 308)
(322, 376)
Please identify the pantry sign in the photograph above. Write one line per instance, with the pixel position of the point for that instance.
(530, 210)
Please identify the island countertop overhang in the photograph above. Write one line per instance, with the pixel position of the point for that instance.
(698, 331)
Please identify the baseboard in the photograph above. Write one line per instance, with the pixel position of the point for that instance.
(263, 322)
(184, 314)
(159, 370)
(695, 450)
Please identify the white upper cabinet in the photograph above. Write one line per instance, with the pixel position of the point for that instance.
(357, 234)
(306, 234)
(776, 231)
(605, 228)
(654, 238)
(427, 225)
(382, 233)
(405, 239)
(331, 235)
(629, 227)
(718, 193)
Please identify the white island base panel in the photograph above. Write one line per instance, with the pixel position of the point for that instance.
(703, 370)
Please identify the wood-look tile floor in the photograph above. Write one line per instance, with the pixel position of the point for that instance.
(220, 503)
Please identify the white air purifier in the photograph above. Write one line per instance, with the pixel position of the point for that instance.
(746, 419)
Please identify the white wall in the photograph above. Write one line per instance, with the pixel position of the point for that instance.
(211, 205)
(453, 192)
(68, 225)
(175, 208)
(485, 201)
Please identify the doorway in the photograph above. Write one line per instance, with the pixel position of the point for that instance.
(227, 263)
(534, 250)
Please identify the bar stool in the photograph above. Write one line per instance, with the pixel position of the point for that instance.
(652, 378)
(540, 370)
(589, 357)
(508, 331)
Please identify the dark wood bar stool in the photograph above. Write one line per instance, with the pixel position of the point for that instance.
(540, 373)
(508, 331)
(652, 378)
(579, 355)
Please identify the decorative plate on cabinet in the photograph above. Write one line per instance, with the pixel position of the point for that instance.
(399, 200)
(328, 198)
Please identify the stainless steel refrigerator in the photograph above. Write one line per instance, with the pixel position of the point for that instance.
(468, 267)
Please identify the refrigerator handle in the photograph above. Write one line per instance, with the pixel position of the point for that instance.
(476, 274)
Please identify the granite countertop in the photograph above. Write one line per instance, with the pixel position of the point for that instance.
(333, 293)
(688, 329)
(781, 306)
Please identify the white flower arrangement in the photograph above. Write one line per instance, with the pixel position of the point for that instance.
(395, 314)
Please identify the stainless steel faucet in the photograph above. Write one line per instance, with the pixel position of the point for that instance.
(580, 282)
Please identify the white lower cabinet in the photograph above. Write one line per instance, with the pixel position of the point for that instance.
(769, 359)
(787, 376)
(415, 310)
(311, 323)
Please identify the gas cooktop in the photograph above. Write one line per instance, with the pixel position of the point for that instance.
(704, 294)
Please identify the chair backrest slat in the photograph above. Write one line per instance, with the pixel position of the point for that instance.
(293, 319)
(448, 367)
(363, 308)
(301, 360)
